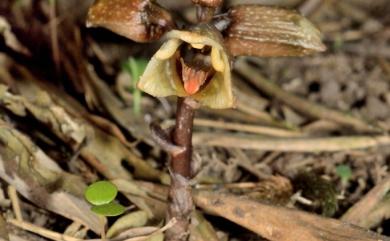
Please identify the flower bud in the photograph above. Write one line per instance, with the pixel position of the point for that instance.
(191, 63)
(269, 32)
(138, 20)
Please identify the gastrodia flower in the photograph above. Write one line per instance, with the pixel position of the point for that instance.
(192, 63)
(196, 61)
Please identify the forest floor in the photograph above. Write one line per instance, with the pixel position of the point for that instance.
(308, 133)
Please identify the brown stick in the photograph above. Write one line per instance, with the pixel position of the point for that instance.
(299, 144)
(279, 223)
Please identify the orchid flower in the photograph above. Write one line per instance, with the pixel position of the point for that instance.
(197, 61)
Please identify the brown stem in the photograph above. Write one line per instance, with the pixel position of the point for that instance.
(180, 196)
(182, 136)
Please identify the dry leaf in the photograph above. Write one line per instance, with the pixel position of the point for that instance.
(201, 229)
(69, 122)
(268, 32)
(130, 220)
(39, 179)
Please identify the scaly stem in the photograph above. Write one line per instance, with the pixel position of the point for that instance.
(180, 197)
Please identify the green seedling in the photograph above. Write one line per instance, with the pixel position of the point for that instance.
(101, 195)
(344, 172)
(135, 68)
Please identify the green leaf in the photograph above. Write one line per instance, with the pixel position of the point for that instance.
(344, 172)
(109, 210)
(136, 67)
(101, 192)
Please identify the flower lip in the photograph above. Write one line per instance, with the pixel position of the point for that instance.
(194, 67)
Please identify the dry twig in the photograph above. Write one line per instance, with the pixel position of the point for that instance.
(304, 144)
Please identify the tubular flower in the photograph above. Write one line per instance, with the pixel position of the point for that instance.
(191, 63)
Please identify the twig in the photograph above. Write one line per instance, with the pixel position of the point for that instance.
(263, 130)
(15, 203)
(62, 237)
(358, 214)
(278, 223)
(312, 144)
(299, 104)
(42, 231)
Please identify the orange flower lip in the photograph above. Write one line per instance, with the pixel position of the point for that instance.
(192, 86)
(193, 77)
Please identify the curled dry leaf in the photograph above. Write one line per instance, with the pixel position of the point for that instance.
(191, 63)
(138, 20)
(269, 32)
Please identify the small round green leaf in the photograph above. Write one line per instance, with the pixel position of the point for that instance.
(101, 192)
(109, 210)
